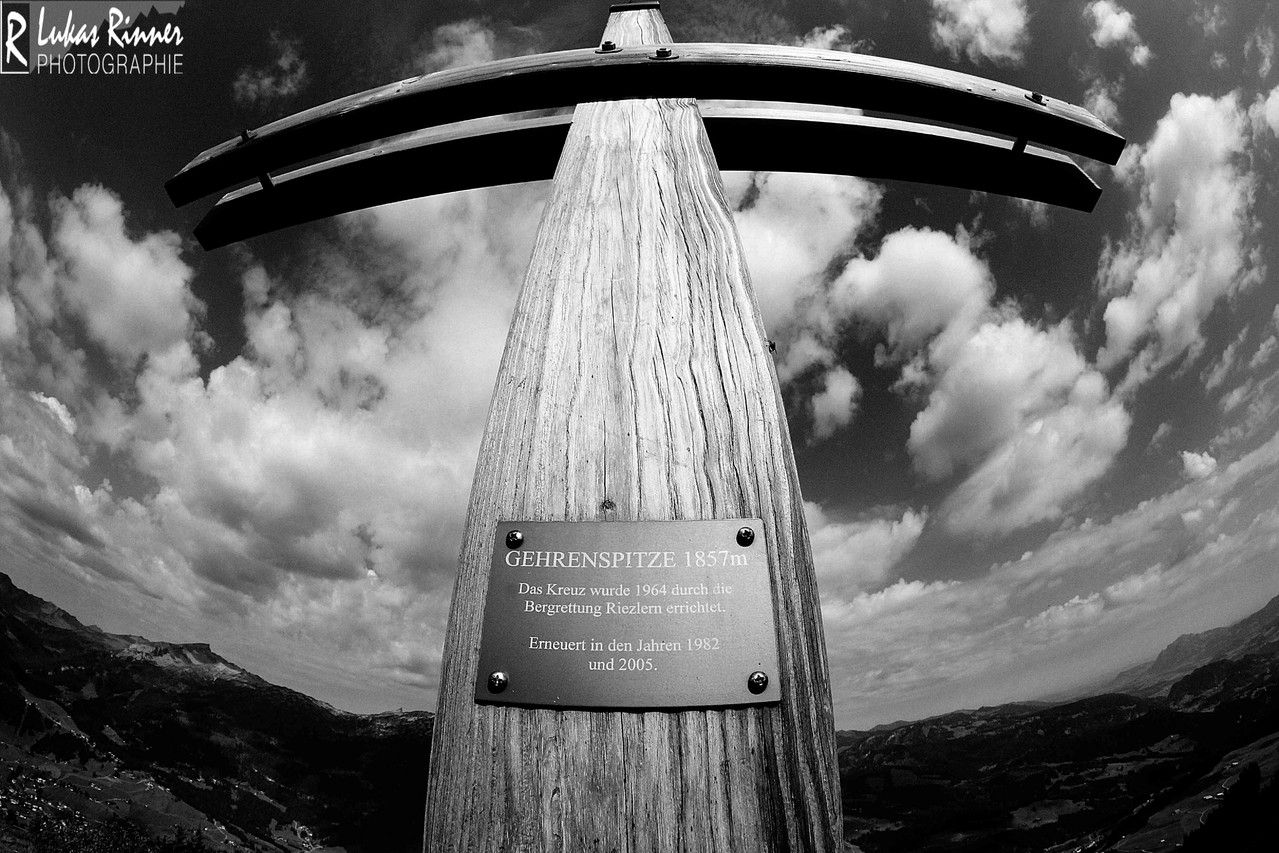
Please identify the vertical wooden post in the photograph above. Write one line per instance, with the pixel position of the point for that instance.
(637, 385)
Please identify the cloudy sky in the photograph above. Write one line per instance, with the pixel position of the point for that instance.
(1036, 445)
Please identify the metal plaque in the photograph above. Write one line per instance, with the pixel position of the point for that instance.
(629, 615)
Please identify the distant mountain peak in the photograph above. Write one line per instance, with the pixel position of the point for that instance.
(1254, 633)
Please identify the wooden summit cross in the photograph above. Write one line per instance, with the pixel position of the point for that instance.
(636, 439)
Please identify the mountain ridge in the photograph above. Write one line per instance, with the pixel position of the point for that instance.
(95, 725)
(189, 738)
(1257, 632)
(1110, 771)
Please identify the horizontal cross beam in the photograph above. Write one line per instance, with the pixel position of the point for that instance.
(705, 71)
(771, 139)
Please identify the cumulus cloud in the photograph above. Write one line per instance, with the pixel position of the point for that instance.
(1161, 433)
(61, 412)
(308, 492)
(893, 599)
(1211, 16)
(1252, 405)
(114, 546)
(284, 77)
(1216, 374)
(1265, 350)
(342, 442)
(1002, 378)
(1114, 26)
(1015, 397)
(1261, 45)
(1010, 405)
(232, 561)
(1046, 464)
(268, 484)
(1266, 111)
(834, 37)
(27, 275)
(132, 295)
(1092, 598)
(891, 648)
(834, 406)
(1191, 239)
(39, 459)
(1065, 617)
(6, 229)
(921, 283)
(1036, 212)
(8, 311)
(8, 318)
(1137, 588)
(993, 30)
(1197, 466)
(858, 556)
(472, 41)
(998, 390)
(466, 42)
(792, 226)
(1102, 100)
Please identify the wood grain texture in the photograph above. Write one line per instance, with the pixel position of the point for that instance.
(637, 384)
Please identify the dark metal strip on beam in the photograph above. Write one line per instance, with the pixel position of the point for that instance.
(430, 162)
(514, 151)
(704, 71)
(788, 140)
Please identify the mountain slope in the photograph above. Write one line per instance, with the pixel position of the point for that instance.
(169, 733)
(1258, 633)
(1106, 772)
(95, 724)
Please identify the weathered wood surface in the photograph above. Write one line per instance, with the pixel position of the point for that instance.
(637, 384)
(764, 139)
(707, 71)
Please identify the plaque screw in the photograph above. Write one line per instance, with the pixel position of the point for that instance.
(514, 539)
(663, 53)
(498, 681)
(755, 683)
(607, 47)
(745, 536)
(1037, 98)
